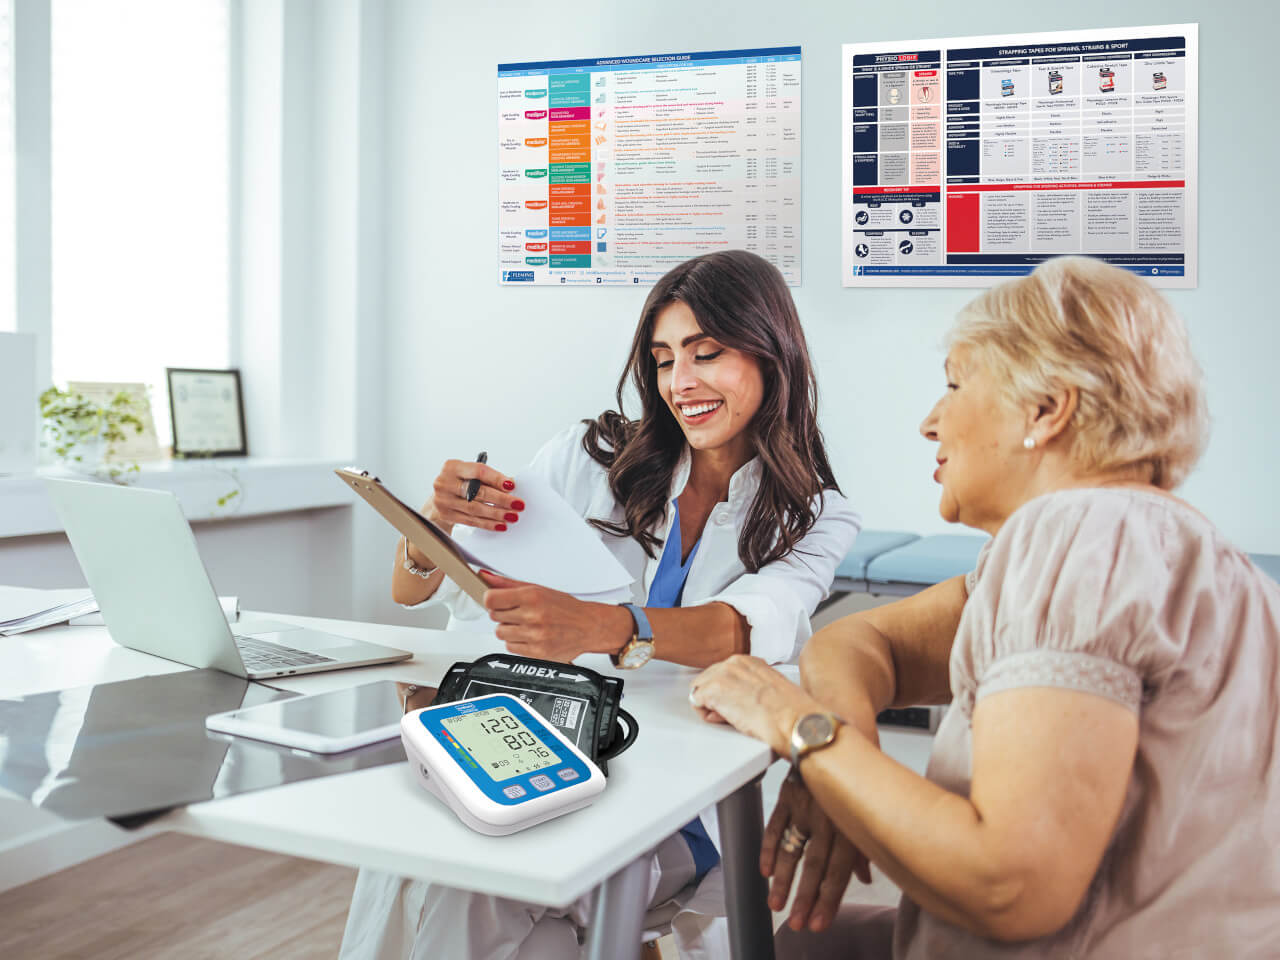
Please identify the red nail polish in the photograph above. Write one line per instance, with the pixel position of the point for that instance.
(517, 504)
(501, 527)
(513, 517)
(508, 485)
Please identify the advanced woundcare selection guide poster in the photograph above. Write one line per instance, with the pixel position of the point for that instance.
(614, 170)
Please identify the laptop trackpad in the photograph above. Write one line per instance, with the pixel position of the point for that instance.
(301, 638)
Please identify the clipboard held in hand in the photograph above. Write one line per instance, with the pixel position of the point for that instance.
(438, 546)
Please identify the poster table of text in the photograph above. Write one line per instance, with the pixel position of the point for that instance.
(615, 170)
(967, 161)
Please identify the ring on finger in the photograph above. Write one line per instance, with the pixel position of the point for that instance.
(462, 489)
(793, 839)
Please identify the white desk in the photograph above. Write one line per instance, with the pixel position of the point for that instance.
(381, 818)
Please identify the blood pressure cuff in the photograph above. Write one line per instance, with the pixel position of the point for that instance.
(582, 704)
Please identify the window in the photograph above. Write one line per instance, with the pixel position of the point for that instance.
(8, 224)
(140, 190)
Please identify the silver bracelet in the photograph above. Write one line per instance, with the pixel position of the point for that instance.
(409, 564)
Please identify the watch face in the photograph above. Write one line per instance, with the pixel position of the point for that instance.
(815, 729)
(637, 656)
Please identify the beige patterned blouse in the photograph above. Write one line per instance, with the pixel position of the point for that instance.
(1135, 597)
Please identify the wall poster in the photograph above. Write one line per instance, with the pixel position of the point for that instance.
(966, 161)
(615, 170)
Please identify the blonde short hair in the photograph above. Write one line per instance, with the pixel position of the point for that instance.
(1077, 322)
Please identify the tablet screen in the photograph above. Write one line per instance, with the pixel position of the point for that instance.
(334, 713)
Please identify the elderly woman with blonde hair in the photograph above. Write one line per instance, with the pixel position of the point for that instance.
(1106, 781)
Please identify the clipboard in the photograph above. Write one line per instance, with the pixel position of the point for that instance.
(439, 547)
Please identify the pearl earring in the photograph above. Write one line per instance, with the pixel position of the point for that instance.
(1028, 443)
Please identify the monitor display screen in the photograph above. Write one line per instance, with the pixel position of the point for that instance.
(502, 745)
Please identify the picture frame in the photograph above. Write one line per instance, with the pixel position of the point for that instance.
(207, 411)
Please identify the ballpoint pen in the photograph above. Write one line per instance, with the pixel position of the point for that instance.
(473, 486)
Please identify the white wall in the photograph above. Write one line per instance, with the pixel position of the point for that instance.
(307, 224)
(474, 366)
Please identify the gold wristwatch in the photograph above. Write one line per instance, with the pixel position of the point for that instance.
(639, 649)
(813, 731)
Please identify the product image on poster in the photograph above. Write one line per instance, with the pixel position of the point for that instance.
(614, 170)
(969, 160)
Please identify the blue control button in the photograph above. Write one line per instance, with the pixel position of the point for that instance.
(514, 792)
(541, 782)
(568, 774)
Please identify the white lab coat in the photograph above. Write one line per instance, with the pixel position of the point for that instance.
(392, 918)
(777, 600)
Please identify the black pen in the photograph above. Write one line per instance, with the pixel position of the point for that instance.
(473, 486)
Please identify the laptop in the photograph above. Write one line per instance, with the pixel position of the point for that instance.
(139, 556)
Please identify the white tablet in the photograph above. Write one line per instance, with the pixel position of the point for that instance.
(328, 722)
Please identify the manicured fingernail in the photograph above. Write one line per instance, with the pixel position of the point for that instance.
(517, 504)
(500, 527)
(513, 517)
(508, 485)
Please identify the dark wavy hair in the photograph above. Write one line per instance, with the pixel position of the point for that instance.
(742, 301)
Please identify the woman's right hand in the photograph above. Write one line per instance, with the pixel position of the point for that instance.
(493, 508)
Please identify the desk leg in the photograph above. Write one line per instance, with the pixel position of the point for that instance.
(617, 916)
(746, 892)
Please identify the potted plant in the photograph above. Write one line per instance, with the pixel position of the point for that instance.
(84, 433)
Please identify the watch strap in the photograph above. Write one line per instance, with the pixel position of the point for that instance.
(643, 630)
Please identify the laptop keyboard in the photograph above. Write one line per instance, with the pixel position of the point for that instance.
(263, 655)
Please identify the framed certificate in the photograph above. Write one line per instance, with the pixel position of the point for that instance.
(208, 413)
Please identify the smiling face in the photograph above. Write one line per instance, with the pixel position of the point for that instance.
(712, 390)
(982, 465)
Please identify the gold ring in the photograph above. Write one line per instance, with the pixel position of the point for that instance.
(793, 839)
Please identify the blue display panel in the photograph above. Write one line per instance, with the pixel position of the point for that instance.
(505, 748)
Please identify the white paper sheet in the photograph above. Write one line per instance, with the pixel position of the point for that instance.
(25, 608)
(550, 545)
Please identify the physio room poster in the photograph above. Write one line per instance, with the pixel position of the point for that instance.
(970, 160)
(614, 170)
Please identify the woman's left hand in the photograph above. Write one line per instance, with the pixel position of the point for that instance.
(824, 859)
(749, 694)
(546, 624)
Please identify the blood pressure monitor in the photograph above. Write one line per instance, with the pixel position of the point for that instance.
(497, 764)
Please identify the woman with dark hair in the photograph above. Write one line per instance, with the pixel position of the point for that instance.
(718, 499)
